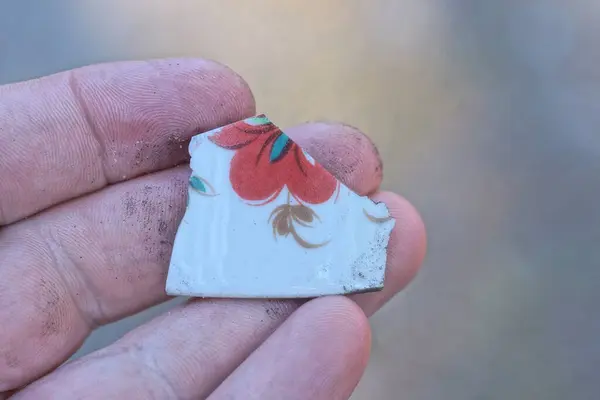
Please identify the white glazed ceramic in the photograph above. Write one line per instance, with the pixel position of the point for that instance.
(265, 220)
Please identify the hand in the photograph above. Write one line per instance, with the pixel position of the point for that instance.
(92, 187)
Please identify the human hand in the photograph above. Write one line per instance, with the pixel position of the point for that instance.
(92, 187)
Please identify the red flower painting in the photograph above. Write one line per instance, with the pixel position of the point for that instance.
(267, 161)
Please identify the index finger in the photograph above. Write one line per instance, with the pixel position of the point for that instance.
(77, 131)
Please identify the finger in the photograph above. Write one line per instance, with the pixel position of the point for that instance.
(184, 353)
(87, 262)
(193, 348)
(323, 349)
(320, 352)
(99, 258)
(189, 351)
(72, 133)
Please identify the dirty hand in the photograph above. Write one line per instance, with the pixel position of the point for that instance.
(92, 187)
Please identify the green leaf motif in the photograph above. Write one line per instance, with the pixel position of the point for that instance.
(280, 148)
(197, 184)
(202, 186)
(260, 120)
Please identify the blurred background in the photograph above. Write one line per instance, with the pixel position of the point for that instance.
(487, 115)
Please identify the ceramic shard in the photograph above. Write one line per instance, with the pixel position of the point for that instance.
(264, 219)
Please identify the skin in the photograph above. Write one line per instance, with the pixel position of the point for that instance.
(92, 186)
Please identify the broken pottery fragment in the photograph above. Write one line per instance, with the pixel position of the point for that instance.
(264, 219)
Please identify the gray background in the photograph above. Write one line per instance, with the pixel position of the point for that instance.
(487, 115)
